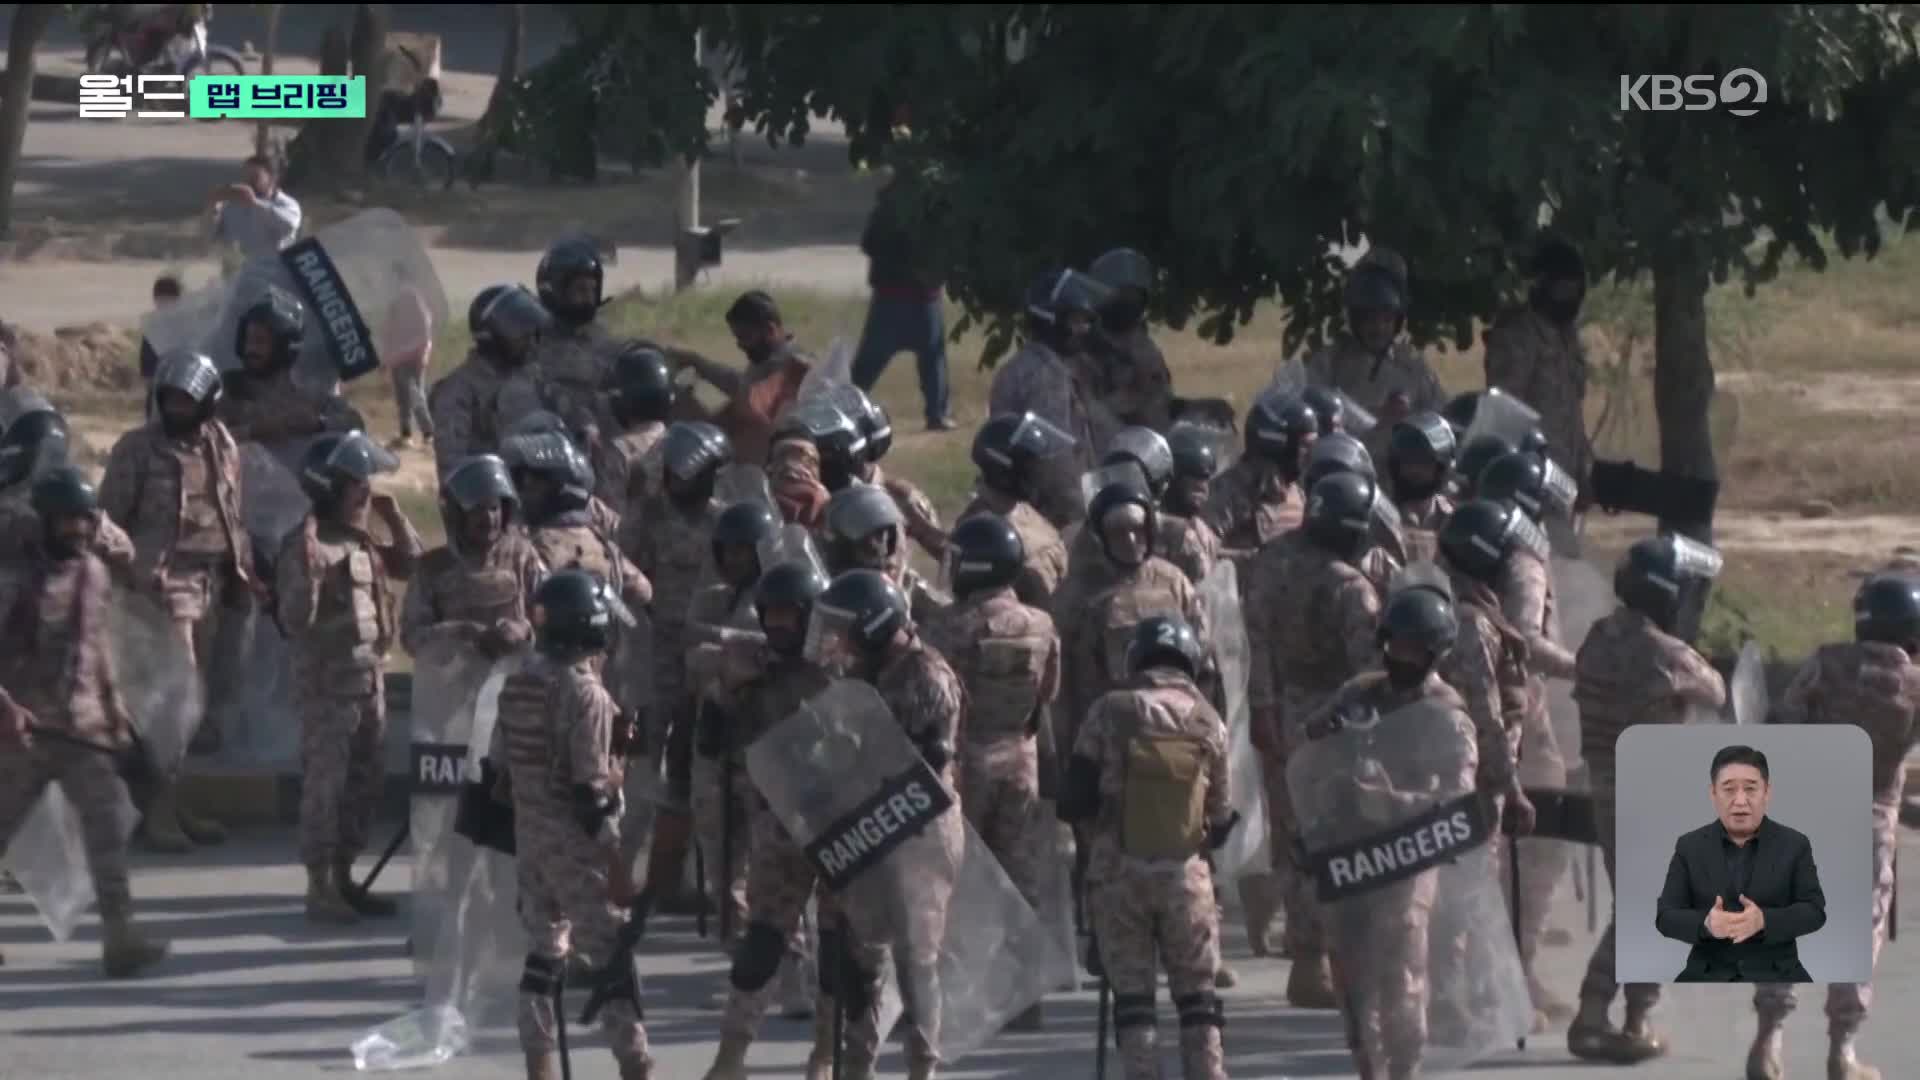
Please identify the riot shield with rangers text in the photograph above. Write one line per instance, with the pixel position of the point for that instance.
(881, 828)
(447, 677)
(1397, 842)
(1246, 849)
(347, 276)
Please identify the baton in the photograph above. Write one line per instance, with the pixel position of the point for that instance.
(1100, 1038)
(406, 829)
(725, 900)
(560, 1022)
(1513, 875)
(1893, 902)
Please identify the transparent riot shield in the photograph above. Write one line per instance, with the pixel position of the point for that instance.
(1246, 850)
(1503, 416)
(347, 276)
(1582, 596)
(447, 676)
(256, 725)
(880, 827)
(834, 368)
(1747, 690)
(157, 678)
(1289, 378)
(1398, 844)
(48, 857)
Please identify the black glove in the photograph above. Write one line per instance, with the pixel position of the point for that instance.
(1217, 834)
(591, 809)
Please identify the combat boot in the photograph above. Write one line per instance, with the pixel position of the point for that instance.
(363, 903)
(160, 829)
(820, 1058)
(1591, 1037)
(730, 1061)
(1224, 978)
(124, 952)
(1639, 1033)
(641, 1069)
(324, 902)
(1841, 1062)
(1310, 983)
(204, 832)
(1763, 1058)
(541, 1066)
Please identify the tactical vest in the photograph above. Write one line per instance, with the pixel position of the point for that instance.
(464, 592)
(1004, 666)
(344, 649)
(527, 731)
(1121, 608)
(195, 501)
(567, 546)
(1164, 780)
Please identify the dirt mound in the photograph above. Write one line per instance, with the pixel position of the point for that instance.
(97, 356)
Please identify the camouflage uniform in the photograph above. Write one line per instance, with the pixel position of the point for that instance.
(1039, 381)
(54, 662)
(1347, 366)
(1527, 601)
(793, 473)
(279, 410)
(1138, 388)
(337, 608)
(1098, 623)
(473, 405)
(1310, 627)
(1379, 942)
(1630, 672)
(723, 793)
(626, 468)
(573, 364)
(1250, 505)
(574, 538)
(1188, 543)
(179, 502)
(923, 521)
(1046, 565)
(20, 532)
(669, 546)
(1543, 364)
(555, 730)
(459, 596)
(1420, 525)
(1875, 686)
(1007, 655)
(1150, 892)
(1488, 668)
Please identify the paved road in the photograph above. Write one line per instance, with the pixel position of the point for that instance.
(254, 992)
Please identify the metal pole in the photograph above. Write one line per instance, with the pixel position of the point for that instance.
(686, 210)
(1100, 1037)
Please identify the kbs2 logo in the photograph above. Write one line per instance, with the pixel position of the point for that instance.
(1738, 92)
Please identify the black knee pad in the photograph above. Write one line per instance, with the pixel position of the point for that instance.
(542, 975)
(1201, 1009)
(760, 951)
(1133, 1010)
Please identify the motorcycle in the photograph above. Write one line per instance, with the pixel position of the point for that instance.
(165, 42)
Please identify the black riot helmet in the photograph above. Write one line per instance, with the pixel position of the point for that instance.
(1115, 498)
(855, 513)
(1147, 448)
(1887, 609)
(1560, 280)
(33, 438)
(863, 606)
(748, 523)
(64, 492)
(505, 321)
(1528, 481)
(1129, 276)
(474, 482)
(1195, 455)
(1458, 412)
(1479, 537)
(565, 262)
(692, 453)
(1339, 515)
(553, 457)
(1375, 288)
(792, 585)
(876, 427)
(640, 386)
(333, 461)
(1061, 306)
(1164, 641)
(1483, 451)
(572, 614)
(1278, 428)
(1337, 453)
(286, 322)
(1422, 616)
(1653, 575)
(1423, 442)
(1329, 408)
(192, 375)
(1009, 448)
(843, 450)
(986, 553)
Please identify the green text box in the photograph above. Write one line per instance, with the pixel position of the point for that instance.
(270, 97)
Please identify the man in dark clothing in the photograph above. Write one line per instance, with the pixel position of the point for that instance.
(905, 314)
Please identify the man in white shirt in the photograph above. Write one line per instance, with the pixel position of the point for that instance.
(255, 216)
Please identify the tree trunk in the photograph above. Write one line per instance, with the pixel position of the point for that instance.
(338, 158)
(30, 22)
(516, 19)
(1683, 394)
(263, 138)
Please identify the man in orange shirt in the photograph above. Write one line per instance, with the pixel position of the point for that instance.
(757, 397)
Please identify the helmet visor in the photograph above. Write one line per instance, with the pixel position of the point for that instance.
(1094, 481)
(360, 457)
(516, 315)
(830, 633)
(1038, 437)
(1693, 559)
(1502, 416)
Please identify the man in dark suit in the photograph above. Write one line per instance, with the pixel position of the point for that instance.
(1743, 889)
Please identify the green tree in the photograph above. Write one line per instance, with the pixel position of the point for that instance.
(29, 24)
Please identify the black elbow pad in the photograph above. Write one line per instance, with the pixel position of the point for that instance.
(936, 751)
(1217, 834)
(591, 809)
(1080, 790)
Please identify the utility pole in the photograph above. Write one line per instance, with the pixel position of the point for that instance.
(686, 210)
